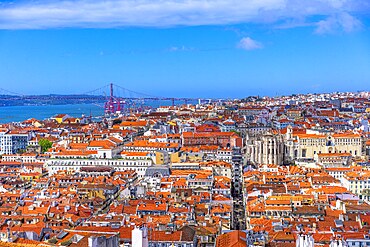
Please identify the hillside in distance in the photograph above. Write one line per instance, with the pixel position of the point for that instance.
(51, 99)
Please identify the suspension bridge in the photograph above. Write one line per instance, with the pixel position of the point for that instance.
(113, 98)
(119, 99)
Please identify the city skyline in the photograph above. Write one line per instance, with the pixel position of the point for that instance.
(103, 93)
(220, 48)
(193, 123)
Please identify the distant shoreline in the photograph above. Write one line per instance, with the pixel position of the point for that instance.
(53, 104)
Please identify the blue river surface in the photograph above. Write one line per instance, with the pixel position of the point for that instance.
(41, 112)
(20, 113)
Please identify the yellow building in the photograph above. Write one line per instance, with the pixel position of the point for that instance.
(60, 118)
(175, 157)
(90, 191)
(310, 145)
(30, 176)
(161, 158)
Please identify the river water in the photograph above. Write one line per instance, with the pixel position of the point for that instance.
(41, 112)
(20, 113)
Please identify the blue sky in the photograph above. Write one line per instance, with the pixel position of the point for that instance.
(185, 48)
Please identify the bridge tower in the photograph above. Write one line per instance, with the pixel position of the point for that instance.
(113, 104)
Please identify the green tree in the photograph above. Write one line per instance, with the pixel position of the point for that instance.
(236, 132)
(45, 145)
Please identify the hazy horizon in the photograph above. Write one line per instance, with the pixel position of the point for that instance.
(221, 48)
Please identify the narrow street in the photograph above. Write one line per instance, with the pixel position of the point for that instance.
(238, 214)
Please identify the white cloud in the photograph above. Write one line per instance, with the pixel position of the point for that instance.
(343, 22)
(162, 13)
(248, 44)
(180, 48)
